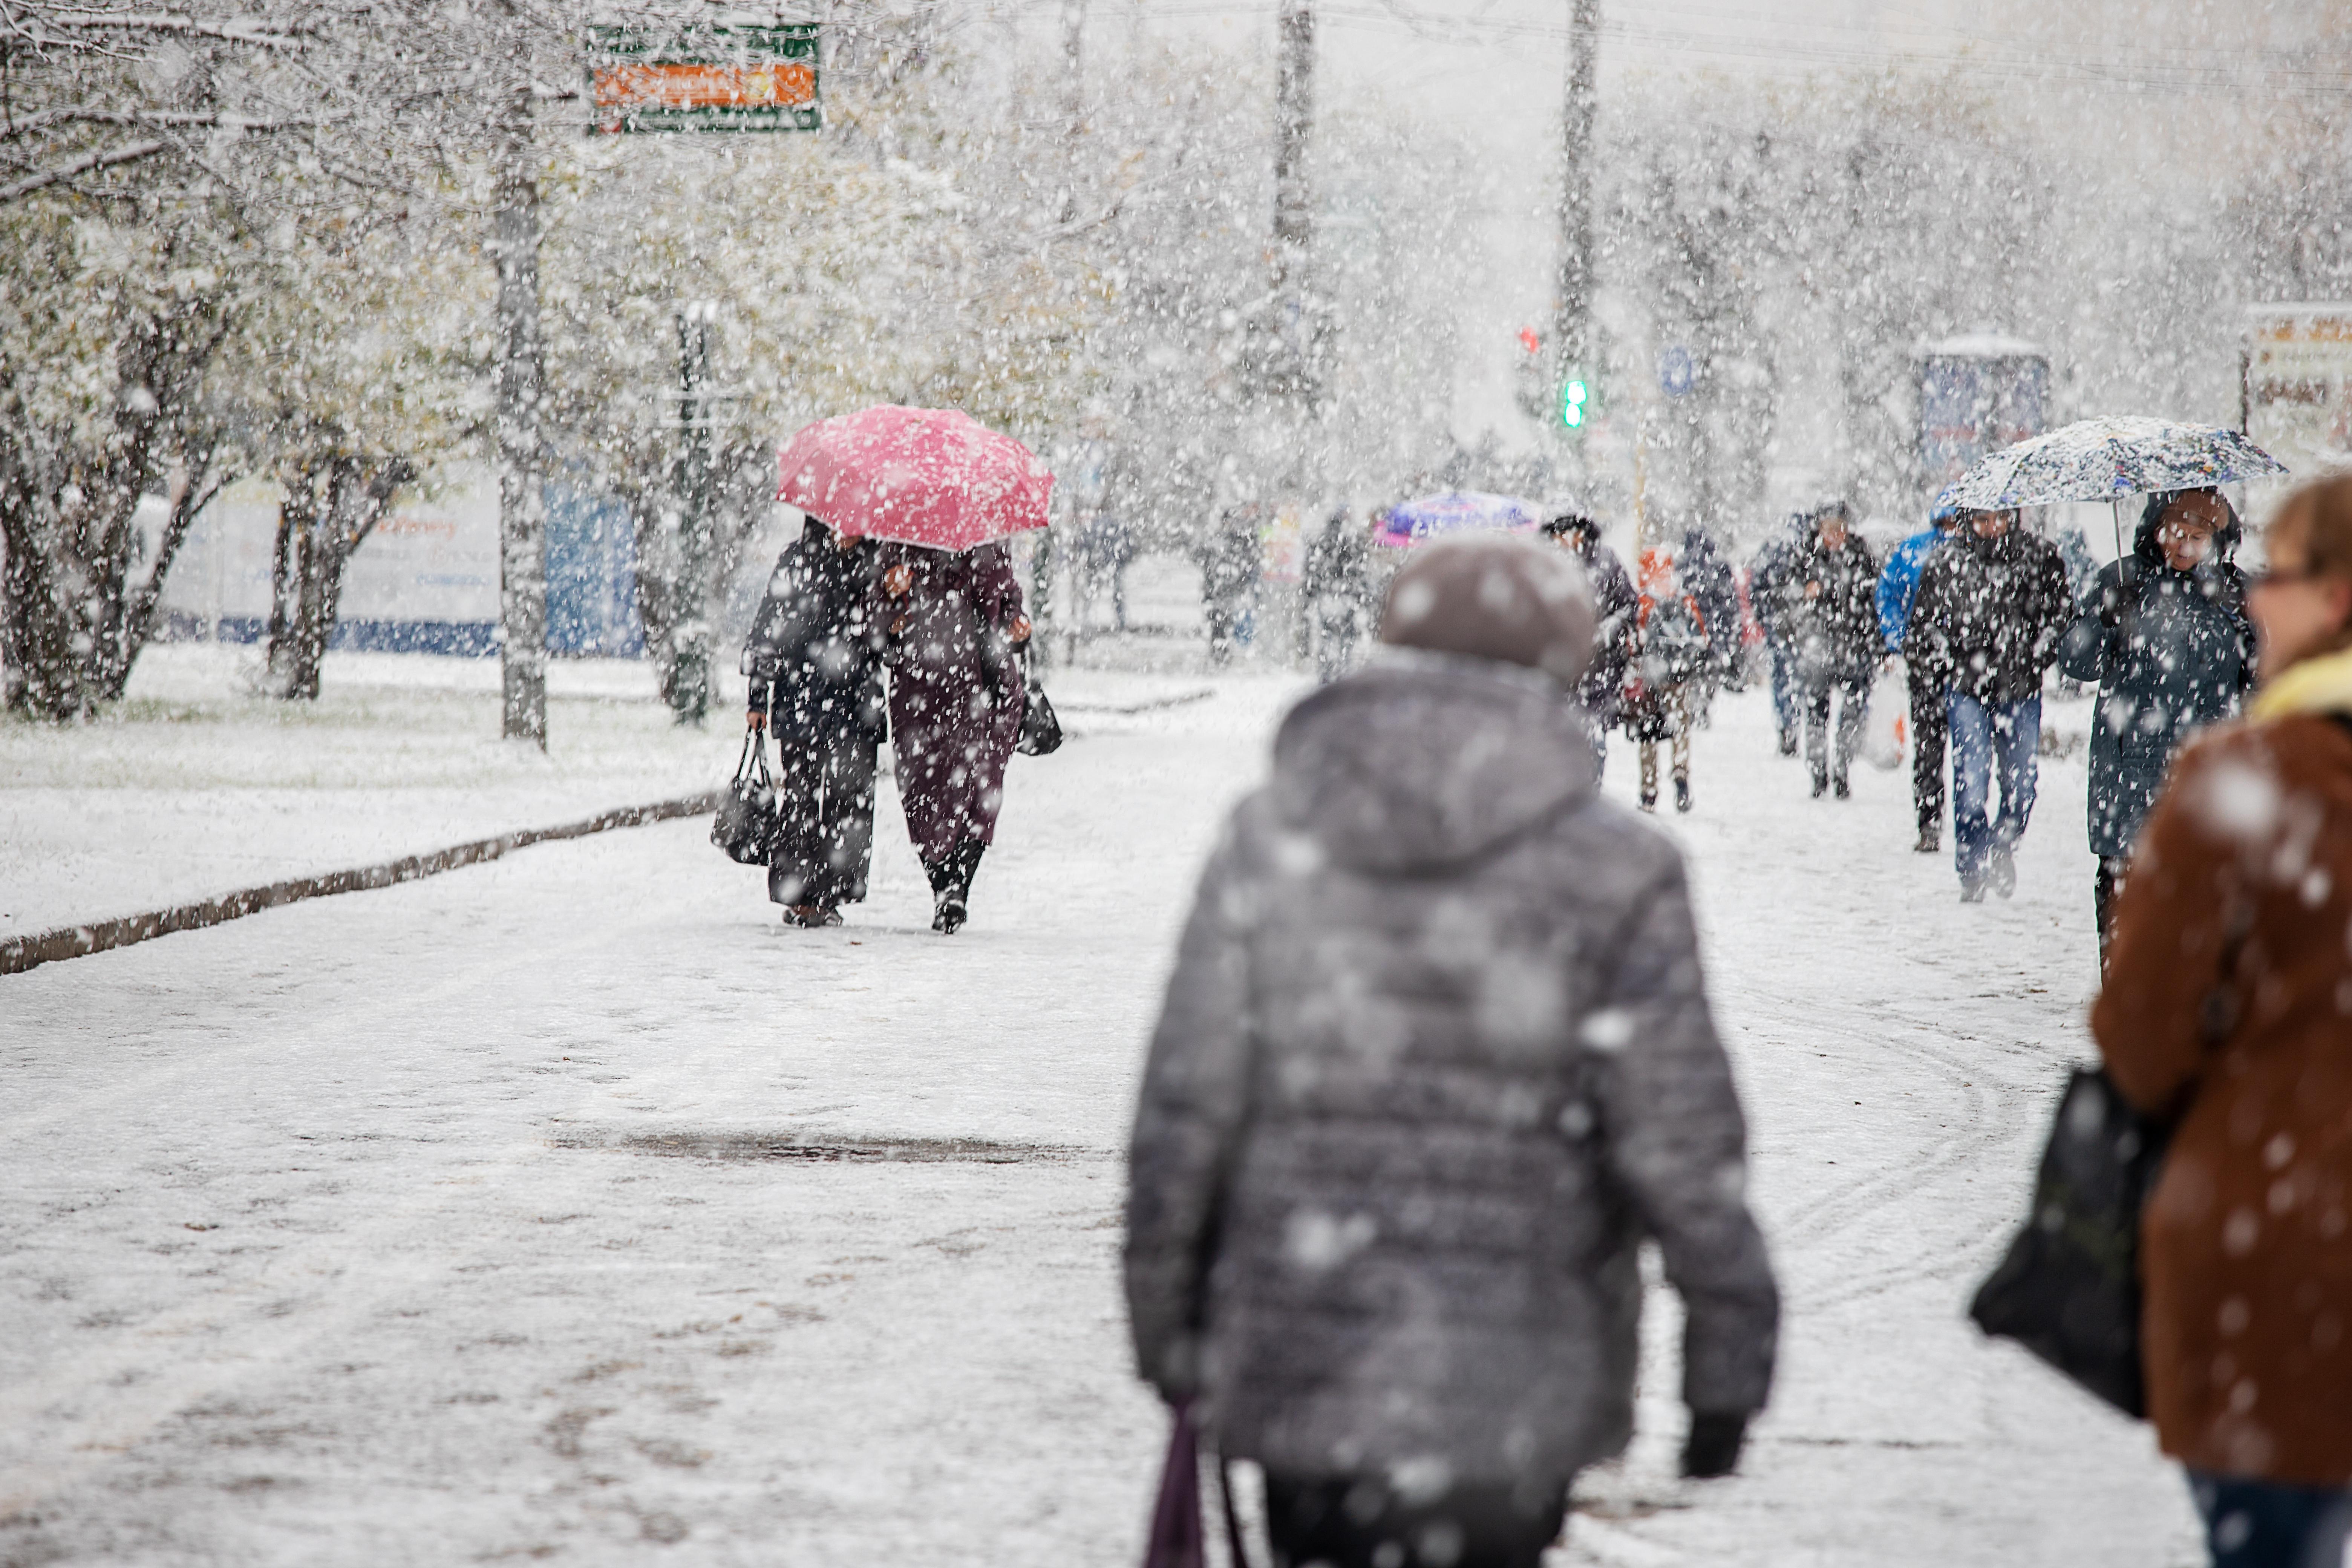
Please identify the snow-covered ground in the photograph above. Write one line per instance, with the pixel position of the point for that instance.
(567, 1207)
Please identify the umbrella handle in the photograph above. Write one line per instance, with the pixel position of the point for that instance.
(2115, 512)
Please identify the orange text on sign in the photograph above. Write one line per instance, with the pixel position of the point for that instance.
(706, 87)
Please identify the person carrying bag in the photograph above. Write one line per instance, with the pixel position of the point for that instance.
(1385, 1209)
(2227, 1014)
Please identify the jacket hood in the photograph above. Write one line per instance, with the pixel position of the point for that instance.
(1425, 761)
(2146, 548)
(2013, 545)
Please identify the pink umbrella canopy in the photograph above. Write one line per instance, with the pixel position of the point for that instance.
(933, 477)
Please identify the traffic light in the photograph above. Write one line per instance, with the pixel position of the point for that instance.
(1575, 402)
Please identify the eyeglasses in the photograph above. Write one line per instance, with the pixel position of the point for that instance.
(2272, 577)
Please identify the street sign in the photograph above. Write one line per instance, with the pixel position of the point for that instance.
(704, 78)
(2295, 383)
(1977, 394)
(1676, 371)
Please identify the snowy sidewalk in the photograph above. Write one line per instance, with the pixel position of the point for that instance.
(479, 1219)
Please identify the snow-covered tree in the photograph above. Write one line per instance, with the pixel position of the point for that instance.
(108, 328)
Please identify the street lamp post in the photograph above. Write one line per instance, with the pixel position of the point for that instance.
(1573, 325)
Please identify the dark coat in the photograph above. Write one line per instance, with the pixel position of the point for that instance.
(1616, 616)
(815, 656)
(1826, 605)
(956, 689)
(1710, 581)
(1766, 574)
(2170, 651)
(1339, 565)
(2224, 1006)
(1435, 1059)
(1989, 616)
(1229, 557)
(1670, 652)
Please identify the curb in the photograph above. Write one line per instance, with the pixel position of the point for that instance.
(20, 954)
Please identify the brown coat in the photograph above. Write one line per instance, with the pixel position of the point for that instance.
(2228, 1003)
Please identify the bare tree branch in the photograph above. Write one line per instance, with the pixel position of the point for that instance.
(89, 163)
(156, 119)
(172, 26)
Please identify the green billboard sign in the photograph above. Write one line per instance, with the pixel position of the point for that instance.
(706, 77)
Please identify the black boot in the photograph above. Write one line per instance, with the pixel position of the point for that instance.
(951, 885)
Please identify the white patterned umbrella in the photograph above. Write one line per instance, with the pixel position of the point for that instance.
(2107, 459)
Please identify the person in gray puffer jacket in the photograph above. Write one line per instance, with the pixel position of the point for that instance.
(1435, 1059)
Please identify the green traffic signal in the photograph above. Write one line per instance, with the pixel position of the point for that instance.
(1573, 397)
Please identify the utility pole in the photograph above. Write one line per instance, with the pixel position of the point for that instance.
(1294, 354)
(520, 381)
(1297, 378)
(1074, 101)
(689, 687)
(1572, 326)
(1074, 74)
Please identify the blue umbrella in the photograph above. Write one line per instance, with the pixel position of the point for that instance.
(1414, 523)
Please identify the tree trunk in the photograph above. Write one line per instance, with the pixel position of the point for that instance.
(37, 630)
(317, 536)
(296, 513)
(689, 688)
(522, 503)
(70, 623)
(657, 563)
(191, 490)
(70, 528)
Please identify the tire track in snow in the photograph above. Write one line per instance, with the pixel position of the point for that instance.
(1990, 1120)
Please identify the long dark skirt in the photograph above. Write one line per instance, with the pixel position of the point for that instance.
(824, 785)
(953, 736)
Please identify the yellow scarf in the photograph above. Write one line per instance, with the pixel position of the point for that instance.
(2322, 685)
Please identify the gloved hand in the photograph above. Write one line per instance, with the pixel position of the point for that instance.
(1175, 1372)
(1712, 1449)
(2116, 604)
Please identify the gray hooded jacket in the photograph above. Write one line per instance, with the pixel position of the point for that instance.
(1436, 1056)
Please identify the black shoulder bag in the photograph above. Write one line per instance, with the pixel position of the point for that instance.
(1041, 727)
(2069, 1289)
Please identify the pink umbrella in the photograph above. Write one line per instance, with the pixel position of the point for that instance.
(933, 477)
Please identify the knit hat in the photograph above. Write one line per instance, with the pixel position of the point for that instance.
(1495, 597)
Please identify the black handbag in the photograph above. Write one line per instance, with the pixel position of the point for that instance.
(747, 826)
(2069, 1289)
(1041, 727)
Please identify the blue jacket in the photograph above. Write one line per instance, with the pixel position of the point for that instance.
(1899, 583)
